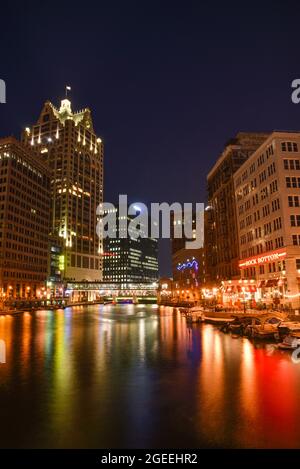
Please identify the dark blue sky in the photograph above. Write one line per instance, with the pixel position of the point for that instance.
(168, 82)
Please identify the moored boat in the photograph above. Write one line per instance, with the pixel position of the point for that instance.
(218, 320)
(288, 327)
(290, 342)
(262, 331)
(195, 314)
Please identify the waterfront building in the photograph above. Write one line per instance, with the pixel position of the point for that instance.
(165, 291)
(188, 274)
(188, 265)
(24, 222)
(267, 199)
(127, 260)
(66, 140)
(221, 234)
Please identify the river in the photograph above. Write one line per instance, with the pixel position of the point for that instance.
(137, 377)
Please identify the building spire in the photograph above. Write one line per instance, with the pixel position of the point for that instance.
(68, 88)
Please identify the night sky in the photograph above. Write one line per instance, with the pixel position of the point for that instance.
(168, 82)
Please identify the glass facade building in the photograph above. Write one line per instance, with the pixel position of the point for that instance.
(128, 260)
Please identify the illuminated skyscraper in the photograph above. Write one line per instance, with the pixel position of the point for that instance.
(128, 260)
(24, 222)
(67, 141)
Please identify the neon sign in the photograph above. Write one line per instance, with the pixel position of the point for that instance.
(188, 265)
(258, 260)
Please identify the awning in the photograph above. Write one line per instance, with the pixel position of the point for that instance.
(241, 289)
(247, 288)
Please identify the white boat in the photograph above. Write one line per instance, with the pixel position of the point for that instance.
(195, 314)
(286, 328)
(196, 309)
(290, 342)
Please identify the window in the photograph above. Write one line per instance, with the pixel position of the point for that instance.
(247, 205)
(273, 186)
(295, 220)
(264, 193)
(296, 240)
(277, 224)
(298, 264)
(275, 205)
(271, 169)
(292, 182)
(293, 201)
(291, 164)
(289, 146)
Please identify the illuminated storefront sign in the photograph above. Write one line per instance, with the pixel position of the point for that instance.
(258, 260)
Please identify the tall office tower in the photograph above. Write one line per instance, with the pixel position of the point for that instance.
(24, 221)
(67, 141)
(221, 234)
(127, 260)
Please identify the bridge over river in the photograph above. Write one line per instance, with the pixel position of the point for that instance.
(96, 291)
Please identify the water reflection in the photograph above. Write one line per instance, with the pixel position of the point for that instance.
(137, 376)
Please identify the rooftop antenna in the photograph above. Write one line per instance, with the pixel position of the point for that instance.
(68, 88)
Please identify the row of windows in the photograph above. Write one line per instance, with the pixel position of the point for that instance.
(261, 248)
(269, 245)
(288, 164)
(261, 158)
(289, 146)
(259, 162)
(292, 182)
(275, 204)
(266, 173)
(23, 275)
(85, 262)
(267, 229)
(22, 248)
(264, 193)
(291, 164)
(270, 268)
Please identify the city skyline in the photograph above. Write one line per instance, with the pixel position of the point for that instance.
(150, 232)
(181, 94)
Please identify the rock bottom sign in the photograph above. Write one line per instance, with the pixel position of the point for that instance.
(258, 260)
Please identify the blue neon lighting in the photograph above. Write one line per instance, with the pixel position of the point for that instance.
(188, 265)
